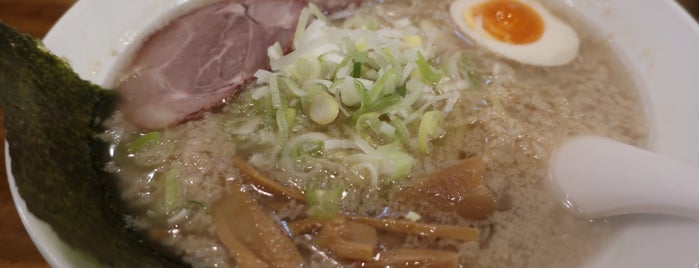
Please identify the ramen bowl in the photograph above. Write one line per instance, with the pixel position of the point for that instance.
(94, 36)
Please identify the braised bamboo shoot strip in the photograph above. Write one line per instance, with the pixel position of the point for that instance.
(356, 239)
(394, 225)
(459, 188)
(348, 239)
(424, 258)
(321, 204)
(242, 226)
(304, 226)
(423, 229)
(253, 176)
(243, 256)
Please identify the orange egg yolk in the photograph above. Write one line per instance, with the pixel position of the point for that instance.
(509, 21)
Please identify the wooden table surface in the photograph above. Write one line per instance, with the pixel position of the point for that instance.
(36, 17)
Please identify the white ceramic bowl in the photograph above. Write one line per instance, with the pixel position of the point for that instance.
(657, 39)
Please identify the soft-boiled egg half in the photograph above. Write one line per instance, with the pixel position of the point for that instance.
(521, 30)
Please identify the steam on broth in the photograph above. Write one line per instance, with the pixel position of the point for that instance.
(453, 177)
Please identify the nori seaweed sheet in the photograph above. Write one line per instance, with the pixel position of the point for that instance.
(51, 121)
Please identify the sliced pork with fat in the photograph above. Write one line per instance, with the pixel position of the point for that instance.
(199, 60)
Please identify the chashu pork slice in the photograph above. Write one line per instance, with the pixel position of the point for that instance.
(198, 61)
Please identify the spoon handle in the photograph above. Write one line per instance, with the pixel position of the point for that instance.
(600, 177)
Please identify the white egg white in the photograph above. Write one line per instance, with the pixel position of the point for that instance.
(557, 46)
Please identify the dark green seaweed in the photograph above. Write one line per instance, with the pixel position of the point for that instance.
(51, 121)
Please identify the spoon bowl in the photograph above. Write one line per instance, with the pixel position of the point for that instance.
(598, 177)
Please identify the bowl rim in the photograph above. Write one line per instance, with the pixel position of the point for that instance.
(59, 254)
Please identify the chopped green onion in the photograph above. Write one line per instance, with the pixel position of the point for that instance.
(312, 149)
(397, 163)
(299, 146)
(401, 90)
(258, 93)
(389, 55)
(270, 111)
(367, 127)
(242, 125)
(170, 191)
(282, 125)
(361, 44)
(323, 203)
(413, 40)
(275, 51)
(342, 68)
(274, 92)
(351, 91)
(143, 141)
(290, 114)
(387, 130)
(431, 127)
(428, 75)
(322, 107)
(373, 90)
(371, 74)
(301, 25)
(357, 69)
(305, 68)
(149, 150)
(380, 106)
(316, 12)
(293, 87)
(414, 89)
(386, 84)
(402, 133)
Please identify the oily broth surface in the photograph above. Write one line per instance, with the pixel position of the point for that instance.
(515, 122)
(513, 115)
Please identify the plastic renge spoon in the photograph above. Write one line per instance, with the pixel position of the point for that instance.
(599, 177)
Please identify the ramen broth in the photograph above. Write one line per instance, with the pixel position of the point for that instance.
(508, 114)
